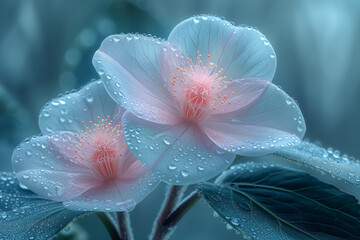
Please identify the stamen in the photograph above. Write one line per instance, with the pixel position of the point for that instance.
(100, 147)
(199, 87)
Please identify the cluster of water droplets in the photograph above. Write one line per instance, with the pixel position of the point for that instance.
(242, 30)
(326, 161)
(238, 212)
(181, 161)
(58, 112)
(38, 149)
(25, 215)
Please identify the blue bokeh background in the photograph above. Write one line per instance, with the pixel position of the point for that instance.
(46, 48)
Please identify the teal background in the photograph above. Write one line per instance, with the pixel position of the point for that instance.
(46, 48)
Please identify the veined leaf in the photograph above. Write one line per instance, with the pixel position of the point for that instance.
(266, 201)
(326, 164)
(25, 215)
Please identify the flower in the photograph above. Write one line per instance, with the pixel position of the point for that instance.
(199, 98)
(82, 159)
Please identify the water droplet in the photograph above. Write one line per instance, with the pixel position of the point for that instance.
(185, 173)
(129, 37)
(289, 101)
(167, 140)
(200, 168)
(300, 128)
(28, 152)
(172, 166)
(196, 20)
(116, 39)
(4, 215)
(89, 98)
(22, 186)
(229, 227)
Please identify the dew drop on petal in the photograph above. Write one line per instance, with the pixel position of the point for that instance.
(288, 101)
(22, 186)
(184, 173)
(89, 98)
(300, 128)
(172, 166)
(200, 168)
(167, 140)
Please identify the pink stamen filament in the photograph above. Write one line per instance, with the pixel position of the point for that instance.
(100, 147)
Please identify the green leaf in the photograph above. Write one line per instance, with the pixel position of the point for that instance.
(328, 165)
(25, 215)
(266, 201)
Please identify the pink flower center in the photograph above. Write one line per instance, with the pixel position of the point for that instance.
(100, 146)
(200, 89)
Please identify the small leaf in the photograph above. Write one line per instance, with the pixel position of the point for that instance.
(25, 215)
(265, 201)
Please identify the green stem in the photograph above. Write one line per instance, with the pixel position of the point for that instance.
(182, 209)
(109, 225)
(169, 224)
(172, 198)
(124, 226)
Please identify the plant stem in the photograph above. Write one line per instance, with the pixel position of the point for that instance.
(168, 225)
(172, 198)
(124, 226)
(110, 227)
(182, 209)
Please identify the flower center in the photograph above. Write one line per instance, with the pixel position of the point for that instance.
(200, 88)
(100, 146)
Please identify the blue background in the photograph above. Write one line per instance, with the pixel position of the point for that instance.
(46, 48)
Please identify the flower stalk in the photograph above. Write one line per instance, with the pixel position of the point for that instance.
(167, 227)
(173, 197)
(126, 232)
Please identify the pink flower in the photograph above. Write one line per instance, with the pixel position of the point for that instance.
(199, 98)
(82, 159)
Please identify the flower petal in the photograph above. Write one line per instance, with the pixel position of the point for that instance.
(115, 195)
(46, 166)
(181, 154)
(67, 112)
(47, 171)
(242, 52)
(129, 65)
(241, 93)
(273, 121)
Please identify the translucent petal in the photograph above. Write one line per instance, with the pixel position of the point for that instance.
(66, 113)
(129, 65)
(115, 195)
(42, 165)
(242, 52)
(180, 154)
(272, 122)
(47, 166)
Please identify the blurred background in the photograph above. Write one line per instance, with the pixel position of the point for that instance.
(46, 48)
